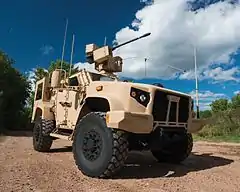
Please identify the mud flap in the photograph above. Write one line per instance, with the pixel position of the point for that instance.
(196, 125)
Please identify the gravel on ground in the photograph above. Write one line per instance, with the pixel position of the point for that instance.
(211, 167)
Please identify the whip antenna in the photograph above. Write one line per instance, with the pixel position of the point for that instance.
(71, 55)
(64, 41)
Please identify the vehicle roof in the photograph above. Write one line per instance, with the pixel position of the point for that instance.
(140, 84)
(162, 88)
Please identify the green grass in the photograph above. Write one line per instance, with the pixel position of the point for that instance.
(225, 138)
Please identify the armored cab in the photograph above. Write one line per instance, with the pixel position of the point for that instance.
(107, 119)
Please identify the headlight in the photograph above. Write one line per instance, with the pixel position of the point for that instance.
(141, 96)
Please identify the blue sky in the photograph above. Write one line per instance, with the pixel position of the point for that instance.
(32, 33)
(30, 28)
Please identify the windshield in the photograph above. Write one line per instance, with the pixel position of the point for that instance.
(102, 78)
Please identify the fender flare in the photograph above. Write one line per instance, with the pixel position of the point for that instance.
(114, 103)
(44, 111)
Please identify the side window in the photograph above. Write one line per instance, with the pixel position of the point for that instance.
(95, 77)
(39, 92)
(73, 81)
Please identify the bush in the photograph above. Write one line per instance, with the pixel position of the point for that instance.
(14, 89)
(226, 123)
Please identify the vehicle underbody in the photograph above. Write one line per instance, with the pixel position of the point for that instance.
(156, 140)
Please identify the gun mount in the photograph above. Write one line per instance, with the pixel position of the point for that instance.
(103, 58)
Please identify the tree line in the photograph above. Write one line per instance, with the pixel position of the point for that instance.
(14, 92)
(221, 105)
(225, 116)
(16, 95)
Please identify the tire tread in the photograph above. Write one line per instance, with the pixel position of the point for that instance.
(174, 158)
(45, 141)
(119, 150)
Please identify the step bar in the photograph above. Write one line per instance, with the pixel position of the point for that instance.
(59, 136)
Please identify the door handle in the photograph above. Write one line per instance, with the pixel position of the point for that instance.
(66, 104)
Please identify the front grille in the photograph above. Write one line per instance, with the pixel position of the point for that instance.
(160, 107)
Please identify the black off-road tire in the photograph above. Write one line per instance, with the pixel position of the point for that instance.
(42, 141)
(110, 145)
(175, 152)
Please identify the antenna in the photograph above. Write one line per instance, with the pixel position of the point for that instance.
(145, 59)
(105, 41)
(196, 81)
(73, 39)
(196, 75)
(183, 71)
(64, 41)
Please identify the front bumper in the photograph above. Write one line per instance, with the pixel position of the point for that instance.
(131, 122)
(143, 123)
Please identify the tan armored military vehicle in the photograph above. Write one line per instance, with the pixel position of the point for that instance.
(105, 117)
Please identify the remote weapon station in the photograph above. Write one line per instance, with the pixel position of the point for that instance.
(106, 118)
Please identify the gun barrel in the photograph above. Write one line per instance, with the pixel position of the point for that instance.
(135, 39)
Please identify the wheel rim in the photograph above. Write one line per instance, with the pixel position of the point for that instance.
(92, 145)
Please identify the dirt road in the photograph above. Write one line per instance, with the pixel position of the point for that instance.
(209, 168)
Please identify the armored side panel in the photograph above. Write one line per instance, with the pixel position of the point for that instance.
(102, 54)
(89, 52)
(90, 48)
(55, 80)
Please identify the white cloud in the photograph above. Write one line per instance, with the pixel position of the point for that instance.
(217, 74)
(204, 106)
(173, 28)
(87, 66)
(46, 49)
(237, 92)
(207, 95)
(206, 98)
